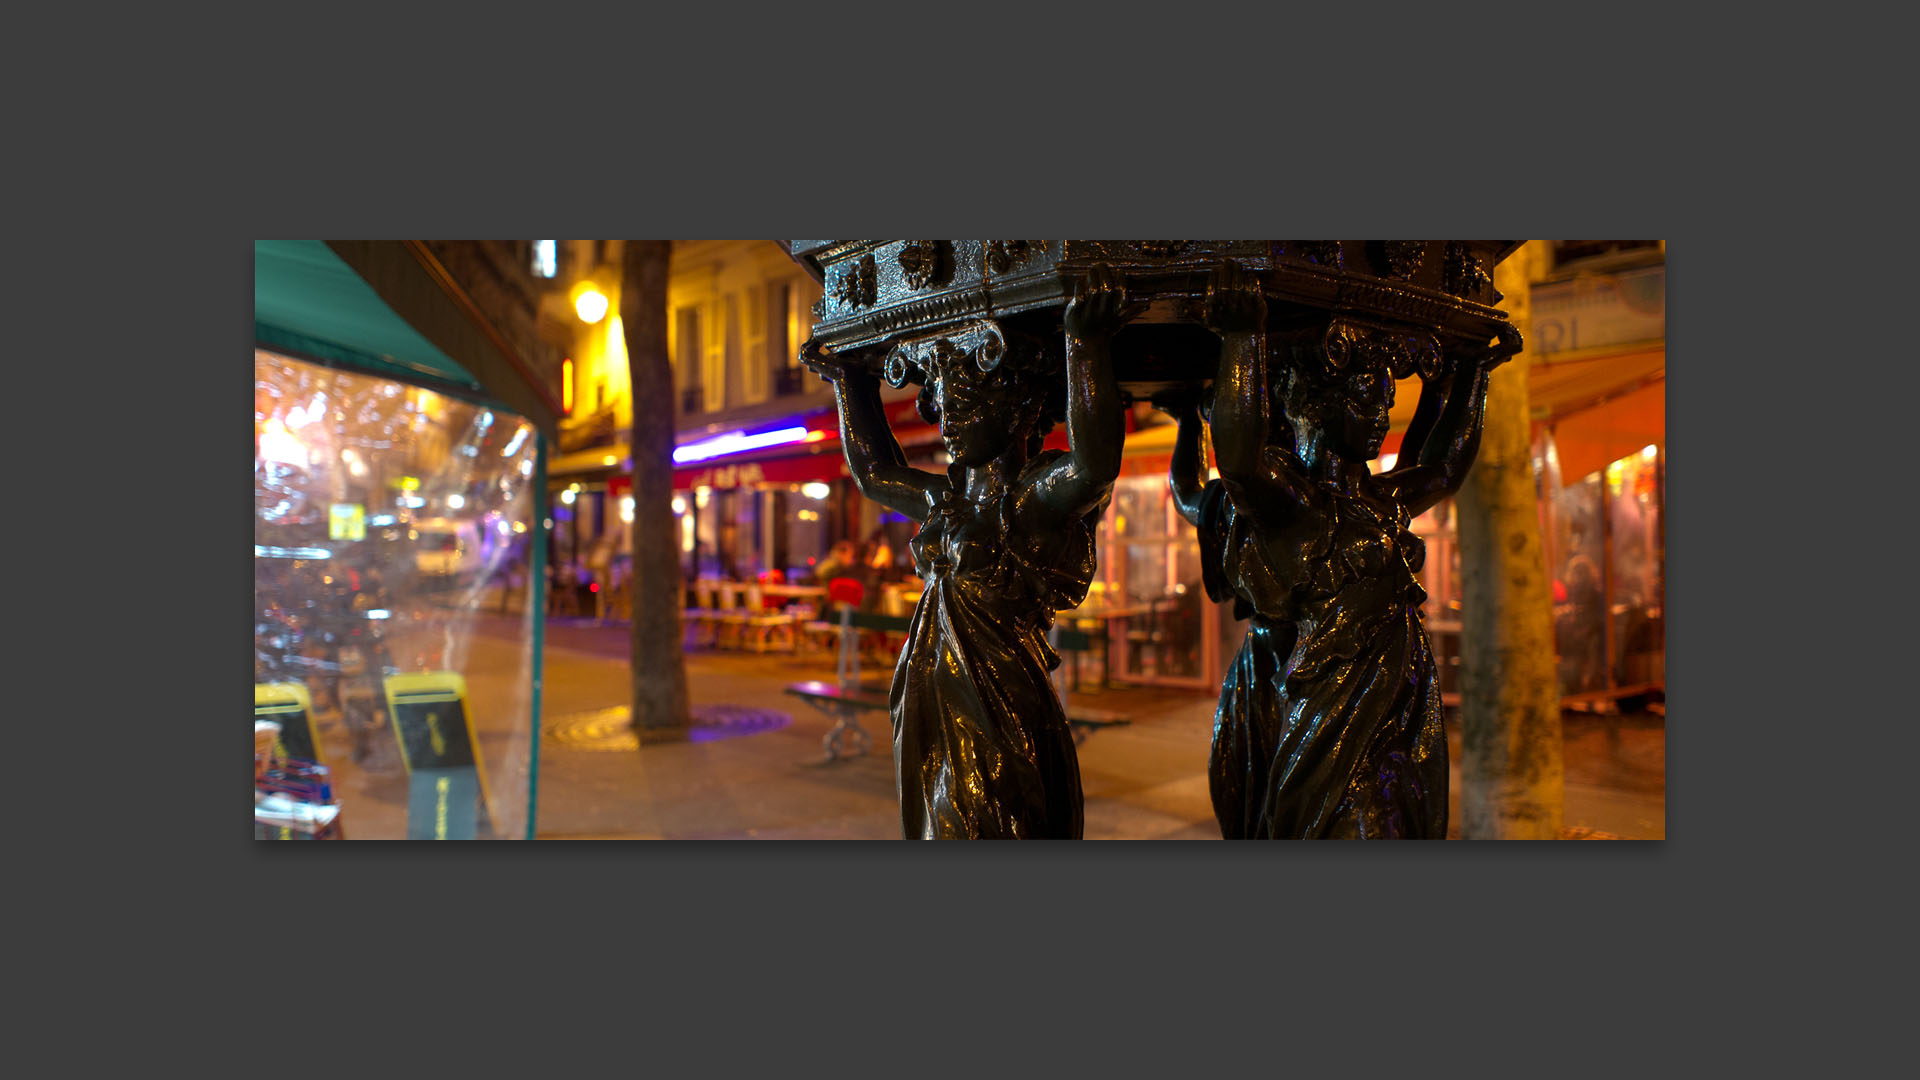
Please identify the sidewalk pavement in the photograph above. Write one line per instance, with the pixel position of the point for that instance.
(756, 768)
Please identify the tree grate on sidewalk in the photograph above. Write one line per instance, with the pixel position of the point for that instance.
(611, 730)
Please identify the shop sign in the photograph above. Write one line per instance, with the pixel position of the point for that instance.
(347, 521)
(1590, 312)
(729, 476)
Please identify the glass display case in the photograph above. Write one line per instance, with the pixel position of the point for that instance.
(395, 655)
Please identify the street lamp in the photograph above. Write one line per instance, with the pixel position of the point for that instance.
(589, 302)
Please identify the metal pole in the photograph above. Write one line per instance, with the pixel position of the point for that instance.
(537, 611)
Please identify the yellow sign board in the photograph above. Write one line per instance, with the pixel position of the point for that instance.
(347, 521)
(435, 731)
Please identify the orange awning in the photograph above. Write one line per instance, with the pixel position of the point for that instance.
(1588, 440)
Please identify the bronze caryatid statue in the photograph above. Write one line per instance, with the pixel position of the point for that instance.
(982, 748)
(1329, 724)
(1329, 721)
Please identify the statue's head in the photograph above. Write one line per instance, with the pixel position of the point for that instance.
(1349, 406)
(983, 414)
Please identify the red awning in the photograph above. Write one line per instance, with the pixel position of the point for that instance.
(818, 460)
(805, 467)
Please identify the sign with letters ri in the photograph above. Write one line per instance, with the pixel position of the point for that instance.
(1597, 311)
(448, 797)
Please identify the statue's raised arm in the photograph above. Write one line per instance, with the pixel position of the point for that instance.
(1434, 460)
(1096, 425)
(874, 457)
(1253, 465)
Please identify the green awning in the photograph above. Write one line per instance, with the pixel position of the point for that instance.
(308, 299)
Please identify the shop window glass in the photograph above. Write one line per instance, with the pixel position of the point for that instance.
(740, 534)
(1440, 578)
(392, 638)
(1634, 569)
(807, 528)
(1579, 587)
(706, 513)
(1148, 598)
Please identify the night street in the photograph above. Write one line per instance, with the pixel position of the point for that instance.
(1312, 506)
(1146, 780)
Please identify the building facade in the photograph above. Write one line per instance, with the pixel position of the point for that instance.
(761, 484)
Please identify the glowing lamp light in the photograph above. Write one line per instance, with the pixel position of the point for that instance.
(591, 306)
(734, 442)
(513, 445)
(609, 460)
(816, 490)
(1649, 452)
(278, 444)
(626, 509)
(567, 496)
(566, 385)
(679, 505)
(260, 552)
(521, 526)
(1387, 461)
(455, 502)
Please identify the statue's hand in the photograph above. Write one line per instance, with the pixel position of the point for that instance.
(1234, 303)
(1507, 344)
(828, 365)
(1099, 305)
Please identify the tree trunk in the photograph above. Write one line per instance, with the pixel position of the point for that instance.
(1512, 784)
(659, 668)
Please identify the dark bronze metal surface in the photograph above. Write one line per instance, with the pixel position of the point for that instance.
(982, 748)
(1329, 723)
(876, 290)
(1329, 720)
